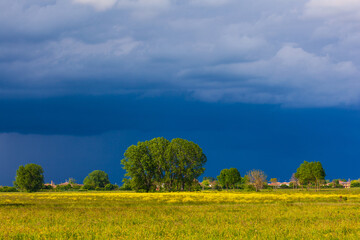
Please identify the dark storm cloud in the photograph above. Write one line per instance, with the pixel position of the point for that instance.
(209, 50)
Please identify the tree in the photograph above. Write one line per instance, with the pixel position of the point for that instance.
(71, 181)
(273, 180)
(319, 173)
(233, 177)
(109, 187)
(294, 181)
(229, 178)
(223, 179)
(205, 184)
(145, 163)
(310, 173)
(210, 179)
(29, 178)
(257, 178)
(336, 183)
(97, 178)
(185, 161)
(159, 163)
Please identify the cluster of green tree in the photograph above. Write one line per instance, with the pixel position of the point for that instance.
(159, 164)
(229, 178)
(310, 174)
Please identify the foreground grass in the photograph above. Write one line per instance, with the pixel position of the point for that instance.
(205, 215)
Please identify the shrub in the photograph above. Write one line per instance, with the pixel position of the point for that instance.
(64, 187)
(249, 187)
(88, 187)
(127, 185)
(8, 189)
(355, 183)
(109, 187)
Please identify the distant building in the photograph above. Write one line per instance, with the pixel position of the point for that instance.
(345, 184)
(52, 184)
(278, 184)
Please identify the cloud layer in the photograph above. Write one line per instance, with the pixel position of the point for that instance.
(294, 53)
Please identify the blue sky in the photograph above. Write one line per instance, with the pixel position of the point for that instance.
(260, 84)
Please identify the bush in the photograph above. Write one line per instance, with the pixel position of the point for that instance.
(284, 186)
(88, 187)
(267, 186)
(76, 186)
(109, 187)
(355, 183)
(127, 185)
(63, 187)
(249, 187)
(48, 187)
(8, 189)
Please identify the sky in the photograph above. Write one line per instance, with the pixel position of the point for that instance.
(257, 84)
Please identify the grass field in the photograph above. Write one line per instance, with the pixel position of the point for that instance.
(203, 215)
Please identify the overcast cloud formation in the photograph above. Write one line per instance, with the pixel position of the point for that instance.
(293, 53)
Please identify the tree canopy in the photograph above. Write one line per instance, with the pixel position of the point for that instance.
(310, 172)
(257, 178)
(29, 178)
(97, 178)
(229, 177)
(159, 163)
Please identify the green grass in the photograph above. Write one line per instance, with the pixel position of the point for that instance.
(283, 214)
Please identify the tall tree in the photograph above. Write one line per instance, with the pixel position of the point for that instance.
(186, 161)
(29, 178)
(310, 173)
(97, 178)
(234, 177)
(319, 173)
(160, 163)
(158, 152)
(140, 167)
(294, 181)
(223, 178)
(229, 178)
(257, 178)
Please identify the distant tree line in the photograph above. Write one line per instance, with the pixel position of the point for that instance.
(163, 165)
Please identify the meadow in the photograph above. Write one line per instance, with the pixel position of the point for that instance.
(279, 214)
